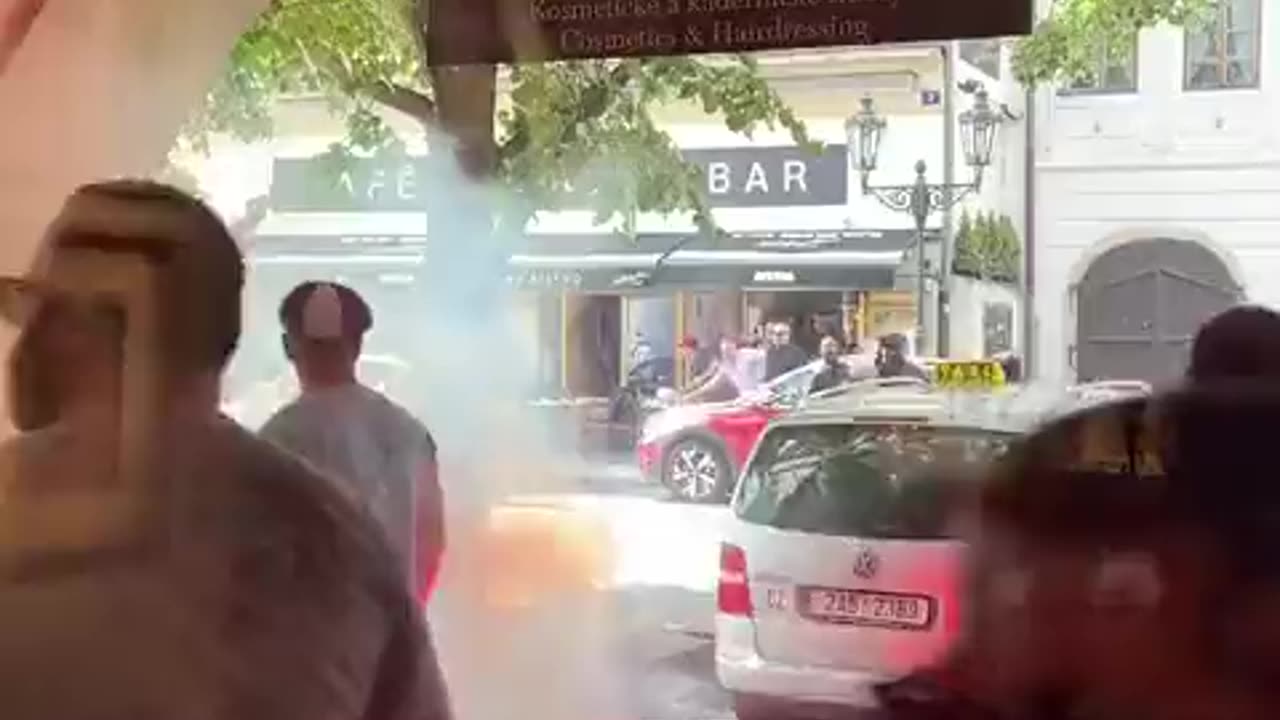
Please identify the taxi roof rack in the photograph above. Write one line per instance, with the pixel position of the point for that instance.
(1138, 387)
(897, 381)
(1088, 394)
(870, 385)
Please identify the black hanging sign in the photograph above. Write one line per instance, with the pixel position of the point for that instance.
(465, 32)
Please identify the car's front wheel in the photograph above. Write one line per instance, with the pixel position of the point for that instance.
(696, 470)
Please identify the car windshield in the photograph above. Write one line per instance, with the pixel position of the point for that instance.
(895, 481)
(792, 385)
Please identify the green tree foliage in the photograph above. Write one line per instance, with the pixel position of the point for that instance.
(583, 130)
(987, 248)
(966, 261)
(1077, 34)
(1006, 258)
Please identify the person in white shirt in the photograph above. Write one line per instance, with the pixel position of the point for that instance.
(380, 456)
(747, 366)
(737, 370)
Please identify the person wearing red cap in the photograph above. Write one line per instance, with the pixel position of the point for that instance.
(381, 457)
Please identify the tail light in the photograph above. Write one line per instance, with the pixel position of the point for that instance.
(733, 594)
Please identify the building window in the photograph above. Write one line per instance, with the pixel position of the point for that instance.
(1224, 52)
(983, 55)
(1112, 73)
(997, 328)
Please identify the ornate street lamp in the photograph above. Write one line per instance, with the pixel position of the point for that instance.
(978, 127)
(864, 130)
(921, 199)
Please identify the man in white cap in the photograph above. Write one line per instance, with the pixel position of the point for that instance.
(382, 458)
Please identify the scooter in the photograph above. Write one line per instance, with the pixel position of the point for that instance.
(647, 389)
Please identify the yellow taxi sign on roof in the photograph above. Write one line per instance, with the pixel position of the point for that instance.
(968, 374)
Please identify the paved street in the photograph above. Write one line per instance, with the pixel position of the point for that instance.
(643, 639)
(666, 556)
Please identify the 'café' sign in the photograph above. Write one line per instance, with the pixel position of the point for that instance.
(316, 185)
(734, 177)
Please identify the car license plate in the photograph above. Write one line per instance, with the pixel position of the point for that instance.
(860, 607)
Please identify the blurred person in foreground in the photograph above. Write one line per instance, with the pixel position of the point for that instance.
(383, 459)
(255, 590)
(1238, 344)
(892, 361)
(1125, 566)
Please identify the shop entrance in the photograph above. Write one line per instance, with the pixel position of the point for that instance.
(811, 315)
(594, 339)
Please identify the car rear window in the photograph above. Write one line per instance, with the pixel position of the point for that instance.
(884, 481)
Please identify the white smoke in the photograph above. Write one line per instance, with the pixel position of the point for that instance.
(523, 627)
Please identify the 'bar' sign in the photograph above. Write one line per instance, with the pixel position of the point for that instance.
(465, 32)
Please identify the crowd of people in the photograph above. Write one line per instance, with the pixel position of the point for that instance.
(736, 367)
(208, 572)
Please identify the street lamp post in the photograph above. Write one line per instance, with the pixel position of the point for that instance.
(921, 199)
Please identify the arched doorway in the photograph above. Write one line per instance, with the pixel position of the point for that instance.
(1139, 306)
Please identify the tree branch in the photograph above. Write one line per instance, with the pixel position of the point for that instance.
(398, 97)
(620, 76)
(407, 100)
(419, 17)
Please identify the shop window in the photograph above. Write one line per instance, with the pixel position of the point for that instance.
(1112, 73)
(1224, 53)
(997, 328)
(594, 337)
(550, 343)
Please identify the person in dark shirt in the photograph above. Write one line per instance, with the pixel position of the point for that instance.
(891, 359)
(1011, 365)
(834, 372)
(782, 356)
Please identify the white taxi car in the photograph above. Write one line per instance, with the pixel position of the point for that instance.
(840, 569)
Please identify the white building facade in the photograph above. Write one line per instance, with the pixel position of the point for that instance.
(1157, 197)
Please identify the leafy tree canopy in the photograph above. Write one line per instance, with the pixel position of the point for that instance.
(564, 121)
(578, 120)
(1078, 34)
(987, 248)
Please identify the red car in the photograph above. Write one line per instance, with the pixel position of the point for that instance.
(696, 450)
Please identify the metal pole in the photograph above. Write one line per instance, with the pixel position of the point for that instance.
(920, 213)
(922, 300)
(1029, 359)
(948, 179)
